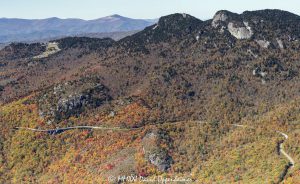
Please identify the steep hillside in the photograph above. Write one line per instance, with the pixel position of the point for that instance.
(213, 101)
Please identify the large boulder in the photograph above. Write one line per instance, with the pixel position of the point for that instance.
(240, 32)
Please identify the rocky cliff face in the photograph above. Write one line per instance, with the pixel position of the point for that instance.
(243, 32)
(258, 24)
(233, 23)
(71, 99)
(154, 153)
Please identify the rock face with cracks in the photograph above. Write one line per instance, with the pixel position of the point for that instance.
(71, 99)
(243, 32)
(219, 17)
(154, 153)
(234, 24)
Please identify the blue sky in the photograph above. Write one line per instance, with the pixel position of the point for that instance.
(91, 9)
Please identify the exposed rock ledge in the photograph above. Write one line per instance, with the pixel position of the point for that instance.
(71, 99)
(154, 153)
(219, 17)
(243, 32)
(263, 43)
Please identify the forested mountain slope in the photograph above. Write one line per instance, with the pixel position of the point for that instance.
(173, 92)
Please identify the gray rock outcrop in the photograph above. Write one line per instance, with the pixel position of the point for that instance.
(219, 17)
(154, 153)
(263, 43)
(233, 23)
(71, 99)
(240, 32)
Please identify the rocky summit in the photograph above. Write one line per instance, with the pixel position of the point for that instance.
(213, 101)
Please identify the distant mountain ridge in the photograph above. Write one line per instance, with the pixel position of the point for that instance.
(17, 30)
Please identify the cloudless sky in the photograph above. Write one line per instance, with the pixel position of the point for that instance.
(92, 9)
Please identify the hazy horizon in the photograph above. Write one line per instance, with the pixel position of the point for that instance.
(137, 9)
